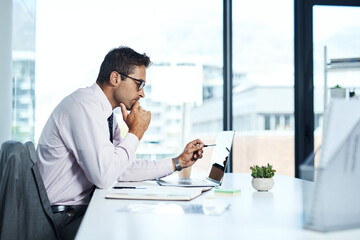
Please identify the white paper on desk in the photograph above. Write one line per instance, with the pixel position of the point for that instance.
(155, 193)
(334, 202)
(152, 183)
(141, 184)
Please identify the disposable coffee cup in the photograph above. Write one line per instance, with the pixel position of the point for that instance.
(185, 173)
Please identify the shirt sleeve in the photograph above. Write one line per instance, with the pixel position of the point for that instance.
(86, 134)
(141, 170)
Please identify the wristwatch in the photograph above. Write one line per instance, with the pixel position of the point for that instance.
(177, 164)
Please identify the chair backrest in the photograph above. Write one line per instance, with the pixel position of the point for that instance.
(25, 211)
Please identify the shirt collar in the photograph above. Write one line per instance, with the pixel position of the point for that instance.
(104, 101)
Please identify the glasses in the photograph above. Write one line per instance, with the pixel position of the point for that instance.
(140, 84)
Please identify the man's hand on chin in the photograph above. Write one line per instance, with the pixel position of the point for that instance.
(137, 119)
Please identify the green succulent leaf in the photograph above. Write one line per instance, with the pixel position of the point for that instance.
(262, 171)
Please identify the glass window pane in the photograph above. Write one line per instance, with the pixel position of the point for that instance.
(184, 84)
(263, 94)
(336, 34)
(23, 44)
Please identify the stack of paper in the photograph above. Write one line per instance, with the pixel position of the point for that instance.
(156, 193)
(227, 191)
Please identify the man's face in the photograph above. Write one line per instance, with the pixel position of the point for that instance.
(127, 92)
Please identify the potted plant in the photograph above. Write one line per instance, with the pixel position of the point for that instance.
(337, 92)
(262, 177)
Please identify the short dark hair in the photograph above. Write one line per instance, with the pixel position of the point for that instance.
(122, 60)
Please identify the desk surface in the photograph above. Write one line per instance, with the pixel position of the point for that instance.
(277, 214)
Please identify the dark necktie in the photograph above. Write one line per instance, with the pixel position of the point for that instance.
(110, 123)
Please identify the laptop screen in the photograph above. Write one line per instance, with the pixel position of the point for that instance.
(220, 155)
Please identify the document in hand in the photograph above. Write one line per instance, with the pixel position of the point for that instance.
(156, 193)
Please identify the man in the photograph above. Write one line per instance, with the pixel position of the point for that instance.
(80, 146)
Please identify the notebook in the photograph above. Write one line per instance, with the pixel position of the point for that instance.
(216, 170)
(153, 193)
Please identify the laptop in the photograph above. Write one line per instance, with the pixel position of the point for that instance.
(224, 141)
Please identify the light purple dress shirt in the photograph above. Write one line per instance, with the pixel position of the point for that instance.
(75, 153)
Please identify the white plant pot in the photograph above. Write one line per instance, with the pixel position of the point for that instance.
(338, 92)
(262, 184)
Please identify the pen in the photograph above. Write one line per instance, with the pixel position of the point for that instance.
(209, 145)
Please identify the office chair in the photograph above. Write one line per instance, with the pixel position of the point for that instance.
(25, 211)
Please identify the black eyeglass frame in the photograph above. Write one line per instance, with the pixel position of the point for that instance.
(142, 82)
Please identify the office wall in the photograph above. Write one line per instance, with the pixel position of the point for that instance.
(5, 69)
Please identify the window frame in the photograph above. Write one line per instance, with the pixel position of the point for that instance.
(304, 79)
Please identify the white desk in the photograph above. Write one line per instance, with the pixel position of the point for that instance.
(277, 214)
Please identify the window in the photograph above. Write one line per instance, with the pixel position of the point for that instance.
(184, 83)
(287, 122)
(23, 119)
(263, 69)
(336, 58)
(267, 122)
(277, 122)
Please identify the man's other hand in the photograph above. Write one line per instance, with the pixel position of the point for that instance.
(192, 152)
